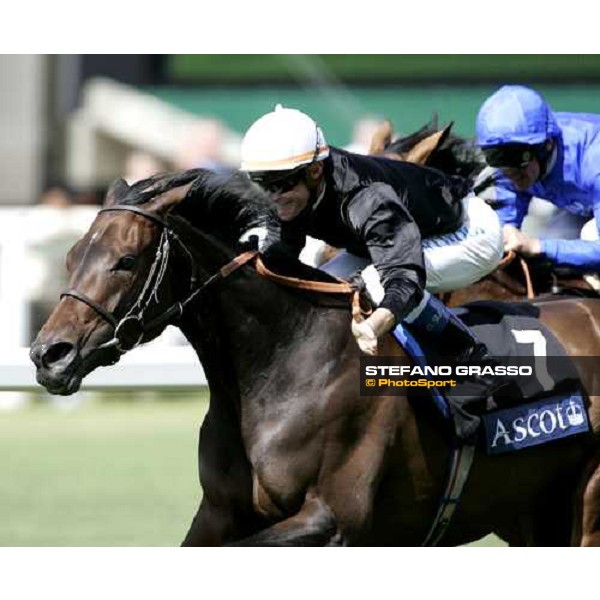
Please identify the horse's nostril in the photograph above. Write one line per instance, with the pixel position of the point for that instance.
(55, 353)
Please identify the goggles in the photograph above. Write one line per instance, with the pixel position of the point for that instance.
(278, 182)
(510, 156)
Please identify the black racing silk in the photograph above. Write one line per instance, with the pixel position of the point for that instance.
(380, 209)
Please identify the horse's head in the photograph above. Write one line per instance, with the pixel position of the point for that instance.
(430, 146)
(118, 293)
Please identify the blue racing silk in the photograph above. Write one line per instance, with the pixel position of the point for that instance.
(572, 183)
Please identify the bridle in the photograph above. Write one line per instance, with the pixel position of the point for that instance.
(129, 330)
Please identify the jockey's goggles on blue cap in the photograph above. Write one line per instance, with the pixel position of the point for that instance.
(511, 156)
(278, 182)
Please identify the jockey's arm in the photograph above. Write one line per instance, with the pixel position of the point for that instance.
(580, 254)
(393, 241)
(583, 254)
(511, 208)
(510, 205)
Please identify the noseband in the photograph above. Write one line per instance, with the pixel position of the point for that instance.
(129, 331)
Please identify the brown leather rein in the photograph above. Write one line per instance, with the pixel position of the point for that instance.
(340, 287)
(509, 258)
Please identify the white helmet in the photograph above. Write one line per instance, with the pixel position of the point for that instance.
(282, 140)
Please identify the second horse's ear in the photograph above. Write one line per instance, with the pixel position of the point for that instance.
(381, 138)
(116, 192)
(421, 152)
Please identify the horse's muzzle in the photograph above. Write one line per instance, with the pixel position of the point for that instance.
(52, 356)
(56, 366)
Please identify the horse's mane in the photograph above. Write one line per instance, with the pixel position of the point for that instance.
(455, 155)
(145, 190)
(227, 202)
(228, 205)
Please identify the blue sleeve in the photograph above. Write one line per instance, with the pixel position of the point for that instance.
(579, 254)
(589, 174)
(512, 211)
(510, 205)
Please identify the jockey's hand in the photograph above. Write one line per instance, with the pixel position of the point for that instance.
(366, 332)
(365, 337)
(517, 241)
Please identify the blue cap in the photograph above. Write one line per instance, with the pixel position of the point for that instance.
(515, 114)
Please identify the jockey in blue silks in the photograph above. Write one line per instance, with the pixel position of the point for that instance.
(553, 156)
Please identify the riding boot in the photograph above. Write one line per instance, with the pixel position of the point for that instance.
(454, 342)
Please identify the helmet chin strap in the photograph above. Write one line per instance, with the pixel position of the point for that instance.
(547, 159)
(319, 193)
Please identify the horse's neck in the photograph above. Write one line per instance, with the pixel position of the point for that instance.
(265, 323)
(255, 330)
(259, 329)
(216, 361)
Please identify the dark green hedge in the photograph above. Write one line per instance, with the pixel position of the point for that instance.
(380, 67)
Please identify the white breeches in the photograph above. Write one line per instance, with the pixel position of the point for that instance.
(453, 261)
(589, 231)
(547, 221)
(460, 258)
(566, 226)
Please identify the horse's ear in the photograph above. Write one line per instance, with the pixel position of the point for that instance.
(381, 138)
(164, 203)
(445, 134)
(116, 192)
(422, 151)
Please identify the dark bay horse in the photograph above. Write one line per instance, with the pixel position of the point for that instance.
(290, 453)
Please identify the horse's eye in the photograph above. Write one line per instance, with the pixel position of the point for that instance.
(125, 263)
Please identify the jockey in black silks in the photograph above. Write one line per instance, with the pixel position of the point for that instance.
(379, 210)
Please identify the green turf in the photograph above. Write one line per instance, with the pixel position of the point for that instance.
(114, 472)
(105, 474)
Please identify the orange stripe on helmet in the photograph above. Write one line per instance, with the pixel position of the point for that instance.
(266, 165)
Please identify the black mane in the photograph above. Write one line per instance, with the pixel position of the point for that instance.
(229, 203)
(146, 189)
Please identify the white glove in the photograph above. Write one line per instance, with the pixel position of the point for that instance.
(367, 332)
(365, 337)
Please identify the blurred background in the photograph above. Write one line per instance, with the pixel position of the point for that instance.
(116, 463)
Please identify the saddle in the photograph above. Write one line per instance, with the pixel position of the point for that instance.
(540, 400)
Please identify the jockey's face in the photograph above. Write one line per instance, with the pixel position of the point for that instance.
(292, 202)
(523, 178)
